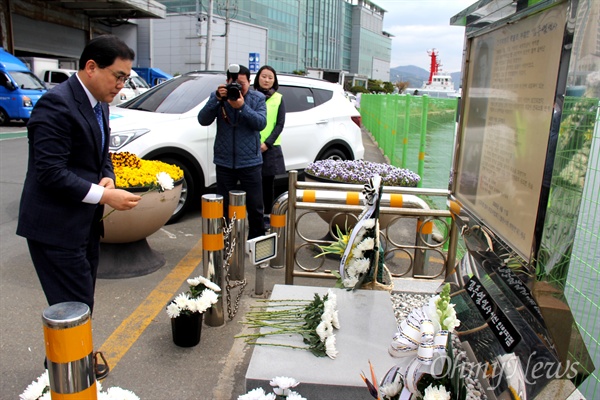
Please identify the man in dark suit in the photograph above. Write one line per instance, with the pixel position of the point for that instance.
(70, 176)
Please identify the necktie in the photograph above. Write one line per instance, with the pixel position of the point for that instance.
(98, 111)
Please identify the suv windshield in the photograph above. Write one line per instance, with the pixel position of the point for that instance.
(178, 95)
(27, 80)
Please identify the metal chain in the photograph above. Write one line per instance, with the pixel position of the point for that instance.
(229, 246)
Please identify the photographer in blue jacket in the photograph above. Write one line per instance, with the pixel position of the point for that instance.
(241, 114)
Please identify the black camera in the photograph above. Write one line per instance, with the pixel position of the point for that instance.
(234, 89)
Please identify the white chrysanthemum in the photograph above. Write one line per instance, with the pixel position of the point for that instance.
(46, 396)
(283, 382)
(212, 286)
(357, 253)
(369, 223)
(32, 392)
(295, 396)
(34, 389)
(165, 181)
(351, 269)
(366, 244)
(391, 389)
(436, 393)
(257, 394)
(330, 347)
(331, 298)
(324, 330)
(173, 310)
(451, 322)
(350, 281)
(210, 296)
(116, 393)
(103, 396)
(195, 281)
(335, 321)
(181, 300)
(327, 316)
(361, 265)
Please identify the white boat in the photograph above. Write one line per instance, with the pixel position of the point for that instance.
(438, 84)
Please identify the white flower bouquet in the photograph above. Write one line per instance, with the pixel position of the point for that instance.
(314, 320)
(199, 298)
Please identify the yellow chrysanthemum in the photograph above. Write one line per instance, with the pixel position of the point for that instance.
(131, 171)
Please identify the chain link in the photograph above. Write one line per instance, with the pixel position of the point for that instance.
(230, 246)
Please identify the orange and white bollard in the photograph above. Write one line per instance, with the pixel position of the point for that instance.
(213, 245)
(70, 351)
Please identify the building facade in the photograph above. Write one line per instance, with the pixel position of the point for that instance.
(342, 36)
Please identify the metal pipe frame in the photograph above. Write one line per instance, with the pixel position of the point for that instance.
(333, 197)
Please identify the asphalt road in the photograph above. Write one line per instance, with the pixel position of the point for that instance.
(130, 324)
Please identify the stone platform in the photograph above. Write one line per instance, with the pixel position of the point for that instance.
(367, 325)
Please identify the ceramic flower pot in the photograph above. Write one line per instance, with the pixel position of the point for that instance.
(151, 213)
(186, 329)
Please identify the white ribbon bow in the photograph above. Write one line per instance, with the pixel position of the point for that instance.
(416, 337)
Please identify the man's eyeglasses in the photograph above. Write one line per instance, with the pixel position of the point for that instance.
(119, 77)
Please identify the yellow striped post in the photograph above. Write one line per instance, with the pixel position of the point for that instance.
(70, 351)
(237, 207)
(213, 245)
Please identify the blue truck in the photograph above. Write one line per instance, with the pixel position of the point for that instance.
(153, 76)
(20, 89)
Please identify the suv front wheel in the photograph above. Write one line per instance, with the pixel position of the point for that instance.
(333, 154)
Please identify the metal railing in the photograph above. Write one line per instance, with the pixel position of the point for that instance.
(400, 206)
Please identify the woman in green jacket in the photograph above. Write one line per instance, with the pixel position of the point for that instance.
(273, 162)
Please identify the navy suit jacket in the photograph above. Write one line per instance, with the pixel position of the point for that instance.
(65, 158)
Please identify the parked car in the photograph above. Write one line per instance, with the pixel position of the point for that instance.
(162, 124)
(54, 77)
(134, 86)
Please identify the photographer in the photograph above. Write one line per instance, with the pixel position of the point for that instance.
(241, 115)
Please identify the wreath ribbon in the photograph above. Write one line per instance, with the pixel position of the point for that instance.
(416, 337)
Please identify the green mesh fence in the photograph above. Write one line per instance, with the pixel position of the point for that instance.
(417, 133)
(579, 171)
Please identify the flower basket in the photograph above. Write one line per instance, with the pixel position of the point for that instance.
(357, 172)
(187, 310)
(186, 329)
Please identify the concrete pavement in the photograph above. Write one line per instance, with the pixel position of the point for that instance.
(130, 324)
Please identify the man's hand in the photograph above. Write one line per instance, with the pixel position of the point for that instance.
(237, 104)
(120, 199)
(107, 183)
(222, 92)
(263, 147)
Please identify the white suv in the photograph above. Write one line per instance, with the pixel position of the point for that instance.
(162, 124)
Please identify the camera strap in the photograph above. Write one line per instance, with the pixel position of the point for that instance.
(226, 117)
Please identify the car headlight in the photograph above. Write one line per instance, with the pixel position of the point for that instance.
(120, 139)
(27, 102)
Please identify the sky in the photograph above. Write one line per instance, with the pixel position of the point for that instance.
(421, 25)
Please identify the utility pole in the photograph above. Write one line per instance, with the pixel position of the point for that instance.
(209, 36)
(226, 34)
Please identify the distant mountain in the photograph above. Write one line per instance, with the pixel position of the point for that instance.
(416, 75)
